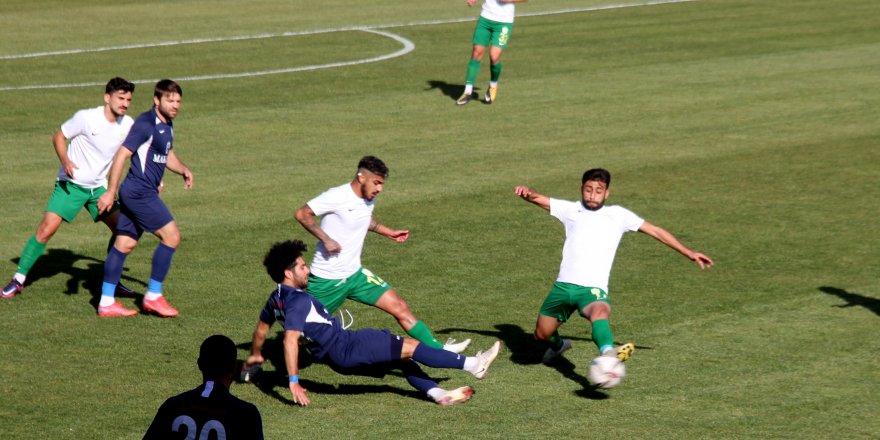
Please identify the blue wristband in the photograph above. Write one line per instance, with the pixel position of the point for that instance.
(293, 379)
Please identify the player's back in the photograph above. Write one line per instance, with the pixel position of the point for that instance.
(208, 411)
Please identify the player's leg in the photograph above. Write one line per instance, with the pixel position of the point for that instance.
(64, 204)
(110, 218)
(481, 39)
(500, 38)
(154, 300)
(477, 365)
(555, 310)
(595, 306)
(126, 241)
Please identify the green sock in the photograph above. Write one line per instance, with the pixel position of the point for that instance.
(33, 250)
(472, 70)
(602, 335)
(421, 332)
(494, 72)
(555, 341)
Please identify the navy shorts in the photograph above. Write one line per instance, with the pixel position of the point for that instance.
(366, 352)
(139, 214)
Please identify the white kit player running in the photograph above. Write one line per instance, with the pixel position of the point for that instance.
(336, 270)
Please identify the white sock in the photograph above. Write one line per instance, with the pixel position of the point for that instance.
(470, 363)
(152, 296)
(436, 392)
(468, 89)
(106, 301)
(20, 277)
(493, 83)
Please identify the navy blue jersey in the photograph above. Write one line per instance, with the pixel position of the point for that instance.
(297, 310)
(208, 411)
(150, 140)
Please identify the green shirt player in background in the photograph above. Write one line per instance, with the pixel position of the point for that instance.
(346, 213)
(592, 234)
(95, 135)
(493, 30)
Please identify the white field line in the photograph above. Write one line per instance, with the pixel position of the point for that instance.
(408, 46)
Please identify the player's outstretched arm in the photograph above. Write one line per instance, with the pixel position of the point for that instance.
(532, 196)
(291, 358)
(307, 218)
(105, 202)
(668, 239)
(398, 235)
(175, 165)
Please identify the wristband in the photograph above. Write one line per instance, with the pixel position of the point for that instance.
(293, 379)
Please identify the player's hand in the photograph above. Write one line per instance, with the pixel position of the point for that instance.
(398, 235)
(187, 178)
(332, 246)
(523, 191)
(69, 166)
(471, 2)
(299, 394)
(105, 202)
(703, 260)
(161, 186)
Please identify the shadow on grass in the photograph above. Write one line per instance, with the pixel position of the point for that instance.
(853, 299)
(63, 261)
(453, 91)
(275, 383)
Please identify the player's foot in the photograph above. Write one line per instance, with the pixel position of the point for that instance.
(456, 347)
(160, 307)
(115, 309)
(552, 354)
(625, 351)
(464, 99)
(491, 94)
(248, 373)
(12, 289)
(452, 397)
(485, 359)
(121, 290)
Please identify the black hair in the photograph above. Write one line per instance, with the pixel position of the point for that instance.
(374, 165)
(282, 256)
(600, 174)
(217, 357)
(118, 84)
(165, 87)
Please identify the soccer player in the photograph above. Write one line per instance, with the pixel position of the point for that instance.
(209, 407)
(150, 146)
(592, 234)
(493, 30)
(336, 271)
(368, 352)
(94, 135)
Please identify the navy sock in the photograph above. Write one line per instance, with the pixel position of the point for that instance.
(437, 357)
(161, 262)
(416, 377)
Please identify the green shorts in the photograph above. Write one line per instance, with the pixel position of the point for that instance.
(493, 33)
(565, 298)
(68, 198)
(362, 286)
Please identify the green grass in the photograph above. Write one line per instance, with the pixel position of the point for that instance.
(747, 128)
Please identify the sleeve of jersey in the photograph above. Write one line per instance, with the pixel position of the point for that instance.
(559, 208)
(323, 204)
(295, 312)
(267, 315)
(631, 221)
(74, 126)
(139, 133)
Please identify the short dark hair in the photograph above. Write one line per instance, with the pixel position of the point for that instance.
(217, 357)
(165, 87)
(282, 256)
(118, 84)
(600, 174)
(374, 165)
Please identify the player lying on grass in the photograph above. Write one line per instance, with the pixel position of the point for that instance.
(592, 234)
(367, 352)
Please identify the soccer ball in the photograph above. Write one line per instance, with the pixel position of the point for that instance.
(606, 371)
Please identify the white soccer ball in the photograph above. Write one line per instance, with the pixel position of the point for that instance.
(606, 371)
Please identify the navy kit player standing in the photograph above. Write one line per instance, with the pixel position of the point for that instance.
(150, 146)
(367, 352)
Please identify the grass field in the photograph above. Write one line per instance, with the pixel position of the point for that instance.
(747, 128)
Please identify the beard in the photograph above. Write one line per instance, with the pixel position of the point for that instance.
(596, 208)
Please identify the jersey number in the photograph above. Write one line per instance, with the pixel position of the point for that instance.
(189, 424)
(371, 278)
(598, 293)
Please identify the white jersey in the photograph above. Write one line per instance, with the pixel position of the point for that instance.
(346, 219)
(591, 239)
(495, 10)
(93, 143)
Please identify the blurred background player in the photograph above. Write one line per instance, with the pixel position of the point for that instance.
(210, 407)
(367, 352)
(150, 146)
(95, 135)
(592, 234)
(336, 271)
(493, 30)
